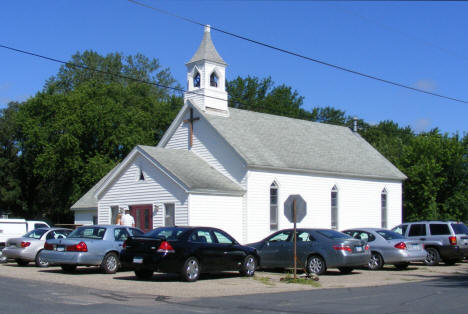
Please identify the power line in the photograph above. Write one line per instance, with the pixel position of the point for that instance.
(337, 67)
(231, 100)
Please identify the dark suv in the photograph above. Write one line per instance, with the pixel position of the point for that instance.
(446, 240)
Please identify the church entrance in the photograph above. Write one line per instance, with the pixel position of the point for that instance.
(143, 215)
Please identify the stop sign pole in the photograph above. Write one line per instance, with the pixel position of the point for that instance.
(294, 219)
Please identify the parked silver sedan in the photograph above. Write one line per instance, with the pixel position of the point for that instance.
(98, 245)
(388, 247)
(317, 250)
(27, 248)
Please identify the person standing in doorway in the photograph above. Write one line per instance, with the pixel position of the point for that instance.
(127, 219)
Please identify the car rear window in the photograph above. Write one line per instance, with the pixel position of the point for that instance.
(172, 233)
(88, 232)
(35, 234)
(439, 229)
(459, 228)
(332, 234)
(389, 235)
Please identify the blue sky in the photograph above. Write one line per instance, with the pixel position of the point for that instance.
(420, 44)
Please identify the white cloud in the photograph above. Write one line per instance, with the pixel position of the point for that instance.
(421, 125)
(426, 84)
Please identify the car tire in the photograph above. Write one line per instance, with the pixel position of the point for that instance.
(376, 261)
(144, 274)
(316, 265)
(401, 266)
(40, 261)
(432, 257)
(191, 269)
(248, 266)
(3, 258)
(345, 270)
(68, 268)
(110, 263)
(21, 262)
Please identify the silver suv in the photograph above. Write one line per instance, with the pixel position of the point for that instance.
(446, 240)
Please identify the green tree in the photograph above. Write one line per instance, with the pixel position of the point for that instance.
(84, 122)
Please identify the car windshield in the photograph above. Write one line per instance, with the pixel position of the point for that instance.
(389, 235)
(35, 234)
(88, 232)
(459, 228)
(332, 234)
(172, 233)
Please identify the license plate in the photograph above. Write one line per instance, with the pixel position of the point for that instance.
(358, 248)
(138, 260)
(60, 248)
(415, 247)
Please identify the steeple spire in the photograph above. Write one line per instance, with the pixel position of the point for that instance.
(206, 50)
(206, 77)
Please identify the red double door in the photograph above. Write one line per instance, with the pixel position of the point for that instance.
(143, 215)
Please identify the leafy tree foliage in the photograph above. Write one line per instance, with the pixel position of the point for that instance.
(83, 122)
(56, 145)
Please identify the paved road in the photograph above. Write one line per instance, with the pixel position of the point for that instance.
(448, 295)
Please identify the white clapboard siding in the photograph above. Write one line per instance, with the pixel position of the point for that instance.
(359, 201)
(209, 146)
(157, 189)
(84, 217)
(219, 211)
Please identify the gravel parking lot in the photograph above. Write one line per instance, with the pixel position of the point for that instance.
(227, 284)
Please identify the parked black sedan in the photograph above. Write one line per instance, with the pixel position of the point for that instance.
(189, 251)
(317, 250)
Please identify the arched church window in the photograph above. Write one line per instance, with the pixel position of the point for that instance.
(213, 80)
(196, 80)
(334, 208)
(274, 206)
(383, 198)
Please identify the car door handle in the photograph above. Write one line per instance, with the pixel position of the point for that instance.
(422, 239)
(225, 253)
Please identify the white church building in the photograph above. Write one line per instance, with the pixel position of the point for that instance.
(234, 169)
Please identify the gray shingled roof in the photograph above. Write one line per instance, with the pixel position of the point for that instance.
(88, 201)
(206, 50)
(194, 172)
(270, 141)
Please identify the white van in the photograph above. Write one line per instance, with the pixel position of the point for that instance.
(13, 228)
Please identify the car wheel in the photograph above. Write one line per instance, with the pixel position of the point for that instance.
(144, 274)
(110, 263)
(3, 258)
(40, 260)
(22, 262)
(68, 268)
(432, 257)
(316, 265)
(248, 266)
(376, 261)
(345, 270)
(401, 266)
(191, 269)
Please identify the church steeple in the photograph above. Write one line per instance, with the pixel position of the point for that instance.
(206, 76)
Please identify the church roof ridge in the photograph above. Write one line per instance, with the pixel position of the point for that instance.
(207, 50)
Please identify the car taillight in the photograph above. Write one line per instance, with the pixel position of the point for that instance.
(401, 246)
(124, 245)
(165, 247)
(453, 240)
(342, 248)
(367, 247)
(25, 244)
(48, 246)
(80, 247)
